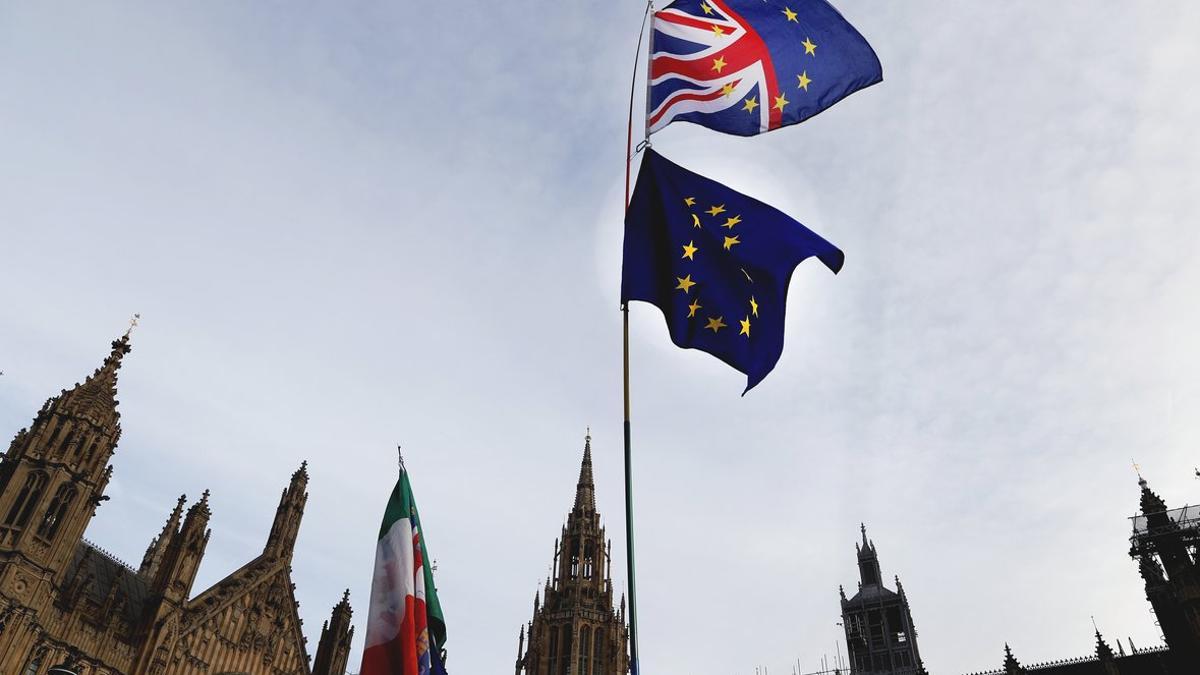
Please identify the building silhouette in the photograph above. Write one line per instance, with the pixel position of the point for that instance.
(880, 637)
(1165, 544)
(65, 600)
(574, 630)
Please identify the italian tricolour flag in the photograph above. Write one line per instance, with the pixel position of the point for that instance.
(406, 632)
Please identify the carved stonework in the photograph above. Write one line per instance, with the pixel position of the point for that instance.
(112, 618)
(576, 628)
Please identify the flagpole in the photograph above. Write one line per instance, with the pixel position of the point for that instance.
(634, 667)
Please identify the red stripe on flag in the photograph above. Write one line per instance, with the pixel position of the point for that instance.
(686, 96)
(399, 655)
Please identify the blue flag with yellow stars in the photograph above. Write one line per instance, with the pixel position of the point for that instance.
(716, 262)
(748, 66)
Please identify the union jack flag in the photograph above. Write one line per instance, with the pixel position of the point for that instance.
(748, 66)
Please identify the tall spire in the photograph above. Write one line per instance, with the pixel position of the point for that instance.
(585, 490)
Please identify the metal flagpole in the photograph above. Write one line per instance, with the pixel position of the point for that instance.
(629, 154)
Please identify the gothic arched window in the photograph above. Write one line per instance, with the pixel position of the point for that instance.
(30, 495)
(598, 652)
(565, 658)
(66, 442)
(55, 513)
(58, 425)
(588, 561)
(585, 650)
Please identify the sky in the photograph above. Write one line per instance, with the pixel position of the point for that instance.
(348, 227)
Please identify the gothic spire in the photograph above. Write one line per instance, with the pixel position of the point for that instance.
(868, 561)
(158, 547)
(1151, 503)
(96, 397)
(1011, 665)
(585, 489)
(1103, 651)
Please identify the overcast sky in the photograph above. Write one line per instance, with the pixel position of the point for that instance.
(348, 226)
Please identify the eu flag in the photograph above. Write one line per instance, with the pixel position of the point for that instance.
(748, 66)
(716, 262)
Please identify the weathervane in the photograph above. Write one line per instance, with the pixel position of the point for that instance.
(132, 324)
(1137, 469)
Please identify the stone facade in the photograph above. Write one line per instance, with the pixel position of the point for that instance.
(63, 599)
(575, 631)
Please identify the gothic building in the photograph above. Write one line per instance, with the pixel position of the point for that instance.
(880, 637)
(1164, 546)
(574, 630)
(62, 599)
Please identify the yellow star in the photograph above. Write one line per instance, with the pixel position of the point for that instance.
(716, 209)
(731, 241)
(715, 324)
(690, 201)
(696, 221)
(718, 63)
(780, 101)
(804, 81)
(753, 306)
(690, 250)
(791, 16)
(693, 307)
(730, 222)
(727, 89)
(749, 104)
(809, 47)
(745, 326)
(704, 6)
(685, 284)
(718, 30)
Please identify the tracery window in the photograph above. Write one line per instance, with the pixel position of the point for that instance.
(27, 499)
(55, 513)
(585, 650)
(597, 652)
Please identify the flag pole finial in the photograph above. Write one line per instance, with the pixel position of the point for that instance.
(400, 457)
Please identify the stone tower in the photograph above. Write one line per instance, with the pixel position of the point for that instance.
(575, 630)
(1164, 544)
(51, 480)
(880, 637)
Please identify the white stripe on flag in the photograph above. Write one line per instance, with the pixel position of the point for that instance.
(393, 583)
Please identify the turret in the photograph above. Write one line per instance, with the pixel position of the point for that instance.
(54, 474)
(333, 651)
(158, 546)
(286, 526)
(878, 624)
(181, 560)
(868, 560)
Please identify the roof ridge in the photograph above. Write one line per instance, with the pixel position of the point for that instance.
(104, 552)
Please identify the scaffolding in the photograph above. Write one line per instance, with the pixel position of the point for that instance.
(1181, 525)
